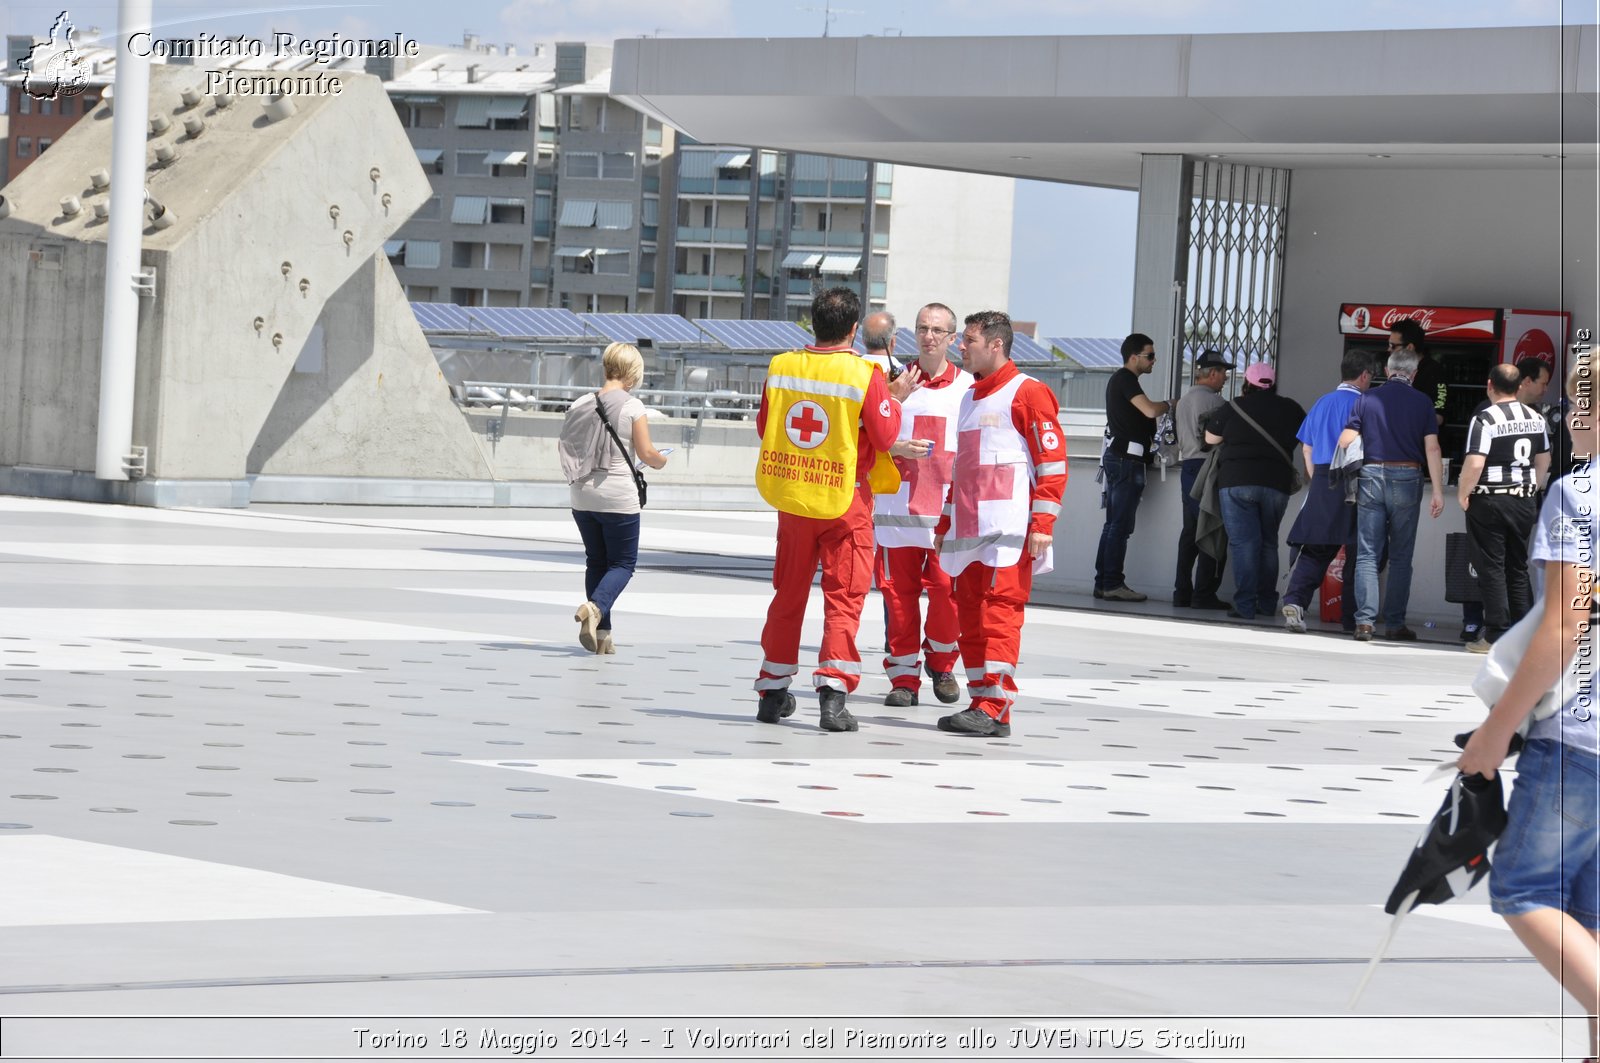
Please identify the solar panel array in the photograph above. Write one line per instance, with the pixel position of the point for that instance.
(1090, 352)
(755, 335)
(528, 322)
(441, 317)
(1025, 350)
(627, 328)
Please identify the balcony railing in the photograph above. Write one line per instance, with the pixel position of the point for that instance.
(718, 282)
(539, 276)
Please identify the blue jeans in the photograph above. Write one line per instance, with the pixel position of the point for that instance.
(1252, 514)
(1546, 857)
(611, 551)
(1388, 500)
(1120, 491)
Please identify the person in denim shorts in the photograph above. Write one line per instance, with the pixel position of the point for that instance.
(1545, 881)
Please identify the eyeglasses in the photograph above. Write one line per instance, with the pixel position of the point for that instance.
(929, 330)
(1396, 346)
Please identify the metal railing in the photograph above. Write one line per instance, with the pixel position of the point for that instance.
(716, 402)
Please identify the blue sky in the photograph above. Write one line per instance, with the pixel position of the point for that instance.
(1072, 264)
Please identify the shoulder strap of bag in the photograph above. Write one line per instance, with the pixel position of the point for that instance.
(638, 477)
(1251, 421)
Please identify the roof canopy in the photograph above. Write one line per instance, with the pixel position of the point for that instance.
(1084, 109)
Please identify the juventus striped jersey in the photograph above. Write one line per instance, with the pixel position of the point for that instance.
(1508, 435)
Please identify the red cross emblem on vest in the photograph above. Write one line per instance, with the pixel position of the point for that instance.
(931, 475)
(976, 482)
(806, 424)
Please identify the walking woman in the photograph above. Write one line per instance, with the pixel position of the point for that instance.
(605, 497)
(1545, 881)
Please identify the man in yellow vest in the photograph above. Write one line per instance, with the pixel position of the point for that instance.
(826, 418)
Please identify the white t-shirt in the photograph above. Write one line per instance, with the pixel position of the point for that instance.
(1568, 531)
(610, 489)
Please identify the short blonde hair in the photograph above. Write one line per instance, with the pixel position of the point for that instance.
(622, 361)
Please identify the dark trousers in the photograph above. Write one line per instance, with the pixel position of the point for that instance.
(1310, 565)
(1120, 490)
(610, 554)
(1199, 574)
(1498, 527)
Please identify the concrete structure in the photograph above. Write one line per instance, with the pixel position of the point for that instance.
(1452, 167)
(273, 338)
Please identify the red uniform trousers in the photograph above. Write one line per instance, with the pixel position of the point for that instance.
(989, 602)
(843, 546)
(911, 570)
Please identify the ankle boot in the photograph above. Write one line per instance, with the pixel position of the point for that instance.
(835, 717)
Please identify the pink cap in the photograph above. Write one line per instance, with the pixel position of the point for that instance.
(1261, 375)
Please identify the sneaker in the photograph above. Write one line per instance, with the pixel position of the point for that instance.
(1123, 593)
(946, 688)
(1294, 618)
(901, 698)
(1099, 594)
(1400, 634)
(974, 722)
(1363, 633)
(1479, 646)
(1470, 632)
(588, 618)
(835, 717)
(775, 705)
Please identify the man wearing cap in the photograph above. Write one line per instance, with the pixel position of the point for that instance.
(1325, 524)
(1199, 574)
(1399, 436)
(1255, 473)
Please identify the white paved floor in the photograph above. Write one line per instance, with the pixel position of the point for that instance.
(350, 765)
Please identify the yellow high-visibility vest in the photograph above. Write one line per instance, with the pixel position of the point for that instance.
(808, 452)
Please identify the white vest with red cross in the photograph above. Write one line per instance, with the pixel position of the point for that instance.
(992, 487)
(908, 517)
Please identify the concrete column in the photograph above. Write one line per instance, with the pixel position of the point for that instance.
(1161, 263)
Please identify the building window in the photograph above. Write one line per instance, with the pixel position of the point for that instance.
(44, 144)
(431, 210)
(466, 255)
(466, 296)
(431, 159)
(47, 106)
(617, 165)
(420, 115)
(421, 293)
(66, 106)
(472, 164)
(24, 147)
(24, 103)
(507, 211)
(90, 103)
(422, 254)
(583, 164)
(611, 261)
(503, 256)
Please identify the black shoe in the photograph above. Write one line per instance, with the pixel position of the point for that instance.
(1471, 632)
(775, 705)
(1400, 634)
(835, 717)
(901, 698)
(946, 688)
(1211, 602)
(974, 722)
(1182, 601)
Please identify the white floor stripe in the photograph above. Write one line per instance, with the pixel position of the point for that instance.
(352, 558)
(20, 656)
(1261, 699)
(895, 791)
(70, 624)
(240, 520)
(758, 544)
(51, 881)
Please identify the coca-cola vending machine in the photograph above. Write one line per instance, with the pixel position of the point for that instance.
(1466, 341)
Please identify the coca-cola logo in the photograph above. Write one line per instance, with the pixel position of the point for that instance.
(1421, 315)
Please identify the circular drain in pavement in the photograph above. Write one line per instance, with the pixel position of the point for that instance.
(113, 809)
(531, 815)
(369, 819)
